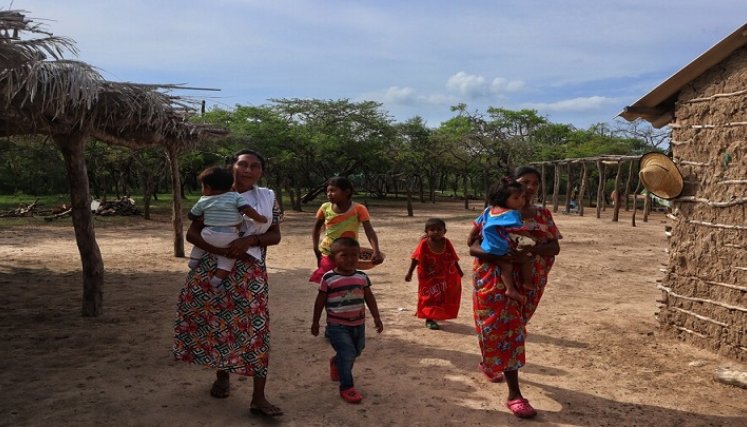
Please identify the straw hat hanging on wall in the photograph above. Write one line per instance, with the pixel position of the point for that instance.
(660, 175)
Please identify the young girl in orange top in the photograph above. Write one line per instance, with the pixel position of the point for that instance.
(340, 217)
(439, 275)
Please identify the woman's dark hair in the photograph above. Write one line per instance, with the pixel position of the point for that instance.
(231, 160)
(217, 178)
(435, 222)
(526, 170)
(342, 183)
(503, 189)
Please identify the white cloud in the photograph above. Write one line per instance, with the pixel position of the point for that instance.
(469, 85)
(501, 85)
(398, 95)
(473, 86)
(574, 105)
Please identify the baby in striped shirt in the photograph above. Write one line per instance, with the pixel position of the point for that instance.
(221, 211)
(345, 292)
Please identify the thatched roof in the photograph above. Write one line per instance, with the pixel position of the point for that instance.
(61, 96)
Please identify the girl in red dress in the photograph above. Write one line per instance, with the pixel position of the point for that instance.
(439, 275)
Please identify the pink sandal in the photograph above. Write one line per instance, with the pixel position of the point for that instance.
(493, 378)
(351, 395)
(521, 408)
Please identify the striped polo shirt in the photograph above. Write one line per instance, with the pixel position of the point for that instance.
(345, 303)
(220, 210)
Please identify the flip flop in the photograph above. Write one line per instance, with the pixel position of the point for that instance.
(430, 324)
(493, 378)
(521, 408)
(351, 395)
(269, 411)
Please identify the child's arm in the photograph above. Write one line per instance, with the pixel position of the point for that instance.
(474, 235)
(368, 296)
(373, 239)
(253, 214)
(413, 264)
(321, 299)
(315, 235)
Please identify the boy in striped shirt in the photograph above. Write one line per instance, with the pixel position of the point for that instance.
(344, 292)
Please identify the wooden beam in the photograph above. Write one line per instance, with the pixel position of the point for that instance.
(72, 147)
(543, 184)
(582, 190)
(627, 186)
(616, 201)
(172, 154)
(600, 188)
(556, 189)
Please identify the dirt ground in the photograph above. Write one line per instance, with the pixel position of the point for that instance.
(594, 355)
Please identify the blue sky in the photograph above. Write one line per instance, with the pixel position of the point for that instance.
(574, 61)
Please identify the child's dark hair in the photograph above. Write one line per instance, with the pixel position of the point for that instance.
(435, 222)
(503, 189)
(341, 182)
(217, 178)
(344, 242)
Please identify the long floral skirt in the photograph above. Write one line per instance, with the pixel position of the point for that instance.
(500, 321)
(227, 328)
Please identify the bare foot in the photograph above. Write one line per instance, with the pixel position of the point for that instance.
(265, 408)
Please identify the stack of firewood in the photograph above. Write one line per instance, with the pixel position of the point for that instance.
(29, 210)
(122, 207)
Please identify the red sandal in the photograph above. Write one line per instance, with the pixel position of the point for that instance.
(351, 395)
(492, 377)
(521, 408)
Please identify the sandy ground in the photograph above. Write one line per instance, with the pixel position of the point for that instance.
(595, 355)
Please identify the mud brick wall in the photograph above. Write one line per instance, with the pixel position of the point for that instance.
(704, 293)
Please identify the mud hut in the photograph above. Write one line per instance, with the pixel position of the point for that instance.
(704, 291)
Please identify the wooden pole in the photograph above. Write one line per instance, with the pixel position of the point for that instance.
(646, 206)
(556, 188)
(73, 151)
(582, 189)
(600, 189)
(616, 212)
(544, 187)
(627, 186)
(176, 201)
(604, 183)
(568, 189)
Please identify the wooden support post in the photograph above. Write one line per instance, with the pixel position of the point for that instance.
(603, 174)
(646, 207)
(582, 189)
(627, 186)
(556, 188)
(616, 201)
(543, 184)
(176, 203)
(600, 189)
(568, 189)
(73, 151)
